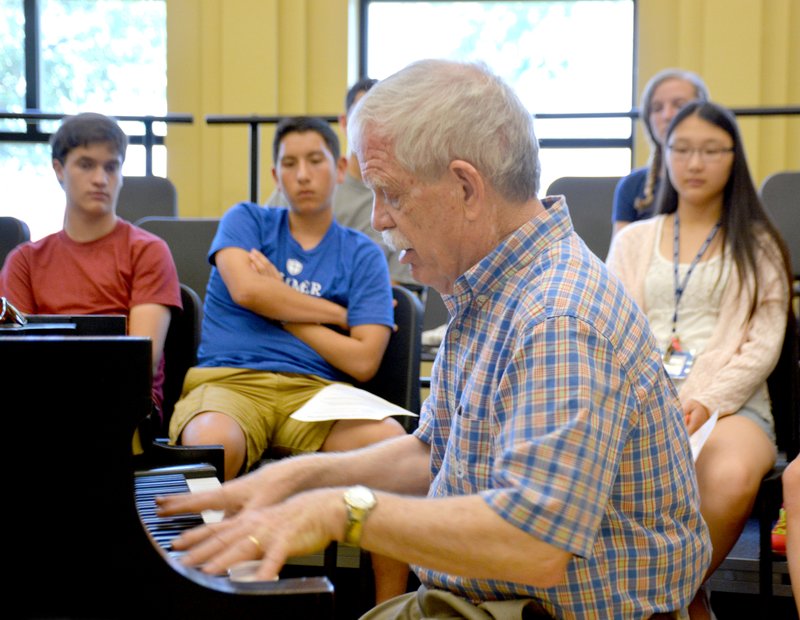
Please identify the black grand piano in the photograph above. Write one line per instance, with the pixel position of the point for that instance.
(76, 544)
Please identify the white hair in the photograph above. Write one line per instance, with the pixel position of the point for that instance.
(436, 111)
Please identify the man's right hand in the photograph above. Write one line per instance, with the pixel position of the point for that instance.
(256, 489)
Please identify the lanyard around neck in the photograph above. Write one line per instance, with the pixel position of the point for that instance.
(680, 287)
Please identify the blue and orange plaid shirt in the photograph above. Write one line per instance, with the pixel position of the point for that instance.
(549, 399)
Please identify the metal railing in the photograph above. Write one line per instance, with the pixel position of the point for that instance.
(34, 134)
(787, 110)
(254, 122)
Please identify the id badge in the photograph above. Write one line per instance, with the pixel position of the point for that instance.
(678, 363)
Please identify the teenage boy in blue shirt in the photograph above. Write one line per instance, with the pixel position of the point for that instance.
(295, 302)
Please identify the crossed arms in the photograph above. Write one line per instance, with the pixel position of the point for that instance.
(254, 283)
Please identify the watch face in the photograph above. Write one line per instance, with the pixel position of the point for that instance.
(360, 497)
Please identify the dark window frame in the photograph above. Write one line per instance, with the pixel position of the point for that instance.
(33, 115)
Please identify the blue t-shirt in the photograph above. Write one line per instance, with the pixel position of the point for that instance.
(627, 191)
(346, 267)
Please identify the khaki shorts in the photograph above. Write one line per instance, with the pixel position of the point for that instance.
(260, 402)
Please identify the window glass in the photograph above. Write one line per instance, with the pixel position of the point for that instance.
(560, 57)
(107, 57)
(12, 62)
(35, 195)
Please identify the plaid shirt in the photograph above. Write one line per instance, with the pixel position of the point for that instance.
(549, 399)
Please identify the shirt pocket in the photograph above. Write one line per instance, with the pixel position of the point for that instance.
(470, 449)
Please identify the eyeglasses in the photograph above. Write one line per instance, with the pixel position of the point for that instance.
(709, 154)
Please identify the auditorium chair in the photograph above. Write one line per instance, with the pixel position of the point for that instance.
(784, 391)
(189, 239)
(397, 379)
(13, 231)
(735, 572)
(780, 193)
(144, 196)
(590, 201)
(435, 316)
(180, 354)
(180, 347)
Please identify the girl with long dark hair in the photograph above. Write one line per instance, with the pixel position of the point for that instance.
(712, 273)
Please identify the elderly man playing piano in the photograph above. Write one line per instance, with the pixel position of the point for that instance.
(550, 475)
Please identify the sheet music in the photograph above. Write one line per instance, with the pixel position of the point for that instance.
(699, 437)
(345, 402)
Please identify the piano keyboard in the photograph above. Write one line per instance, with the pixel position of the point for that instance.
(187, 591)
(191, 479)
(167, 481)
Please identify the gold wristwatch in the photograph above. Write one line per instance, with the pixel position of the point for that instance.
(359, 501)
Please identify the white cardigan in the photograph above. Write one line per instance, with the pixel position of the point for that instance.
(740, 354)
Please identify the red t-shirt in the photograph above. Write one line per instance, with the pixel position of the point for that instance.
(127, 267)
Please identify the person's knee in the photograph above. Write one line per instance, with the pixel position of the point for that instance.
(729, 484)
(352, 434)
(211, 428)
(389, 427)
(791, 483)
(214, 428)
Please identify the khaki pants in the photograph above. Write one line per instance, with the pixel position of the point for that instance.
(427, 604)
(424, 604)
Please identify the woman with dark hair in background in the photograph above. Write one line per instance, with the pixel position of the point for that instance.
(712, 274)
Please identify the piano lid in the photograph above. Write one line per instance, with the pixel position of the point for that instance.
(80, 549)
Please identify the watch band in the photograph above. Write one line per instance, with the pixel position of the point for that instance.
(352, 535)
(359, 501)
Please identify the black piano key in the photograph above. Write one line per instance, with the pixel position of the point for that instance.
(163, 530)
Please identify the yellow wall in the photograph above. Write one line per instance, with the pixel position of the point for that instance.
(245, 57)
(745, 52)
(270, 57)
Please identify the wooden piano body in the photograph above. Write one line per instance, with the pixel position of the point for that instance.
(75, 543)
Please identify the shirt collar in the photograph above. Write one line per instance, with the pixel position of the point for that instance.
(515, 252)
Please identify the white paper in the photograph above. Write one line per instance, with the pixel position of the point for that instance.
(698, 438)
(345, 402)
(433, 337)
